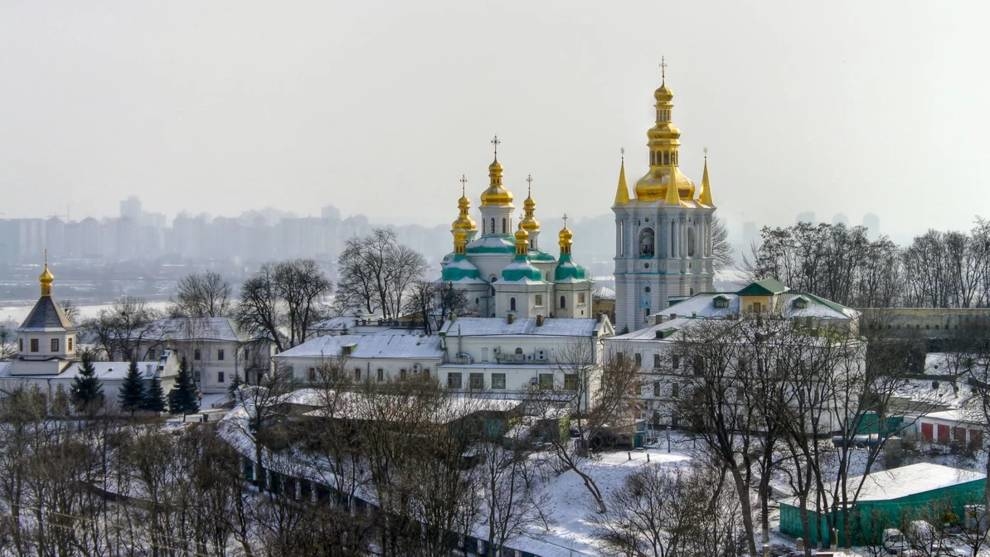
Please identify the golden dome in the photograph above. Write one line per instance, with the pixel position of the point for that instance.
(464, 221)
(565, 239)
(653, 186)
(46, 278)
(522, 241)
(496, 194)
(663, 93)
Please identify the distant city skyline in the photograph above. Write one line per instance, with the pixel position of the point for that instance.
(378, 107)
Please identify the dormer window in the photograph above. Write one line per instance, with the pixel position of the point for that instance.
(720, 302)
(800, 303)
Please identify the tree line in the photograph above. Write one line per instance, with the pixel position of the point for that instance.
(841, 263)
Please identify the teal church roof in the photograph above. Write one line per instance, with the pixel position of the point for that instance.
(568, 271)
(521, 270)
(457, 268)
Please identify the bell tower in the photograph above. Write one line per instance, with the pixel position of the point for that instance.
(663, 239)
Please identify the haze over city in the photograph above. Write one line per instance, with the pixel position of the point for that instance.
(845, 107)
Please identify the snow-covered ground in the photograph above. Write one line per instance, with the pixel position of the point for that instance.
(571, 504)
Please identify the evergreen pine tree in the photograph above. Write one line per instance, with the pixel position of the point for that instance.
(87, 390)
(154, 397)
(60, 403)
(183, 397)
(131, 391)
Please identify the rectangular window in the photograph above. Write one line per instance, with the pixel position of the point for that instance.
(498, 380)
(70, 344)
(546, 381)
(477, 381)
(580, 297)
(402, 374)
(570, 381)
(381, 375)
(54, 345)
(197, 354)
(453, 380)
(639, 359)
(656, 389)
(656, 361)
(20, 345)
(538, 300)
(220, 354)
(675, 361)
(675, 390)
(220, 377)
(312, 374)
(151, 351)
(357, 374)
(34, 345)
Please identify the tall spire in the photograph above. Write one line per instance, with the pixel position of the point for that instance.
(706, 188)
(663, 140)
(46, 278)
(622, 190)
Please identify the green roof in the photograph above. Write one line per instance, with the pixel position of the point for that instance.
(541, 256)
(492, 244)
(521, 269)
(568, 270)
(459, 268)
(765, 287)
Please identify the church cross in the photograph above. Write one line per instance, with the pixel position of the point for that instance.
(463, 181)
(529, 184)
(706, 153)
(565, 220)
(663, 69)
(622, 153)
(495, 141)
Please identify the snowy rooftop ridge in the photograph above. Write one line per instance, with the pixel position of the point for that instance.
(382, 345)
(552, 326)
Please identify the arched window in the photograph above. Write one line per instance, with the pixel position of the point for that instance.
(519, 351)
(491, 229)
(512, 304)
(563, 302)
(691, 241)
(673, 228)
(646, 242)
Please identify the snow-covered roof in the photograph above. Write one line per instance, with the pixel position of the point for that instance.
(105, 371)
(195, 328)
(908, 480)
(792, 305)
(604, 293)
(491, 326)
(956, 415)
(384, 345)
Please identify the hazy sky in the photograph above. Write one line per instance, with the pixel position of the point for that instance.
(379, 107)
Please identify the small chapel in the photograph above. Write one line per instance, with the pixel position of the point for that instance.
(503, 270)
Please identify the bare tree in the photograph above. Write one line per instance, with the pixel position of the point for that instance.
(376, 272)
(121, 330)
(287, 295)
(721, 248)
(204, 294)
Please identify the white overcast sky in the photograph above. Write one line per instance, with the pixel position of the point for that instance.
(378, 107)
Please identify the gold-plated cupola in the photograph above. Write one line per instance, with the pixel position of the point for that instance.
(664, 141)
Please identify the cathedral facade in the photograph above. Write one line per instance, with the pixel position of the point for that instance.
(663, 232)
(503, 269)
